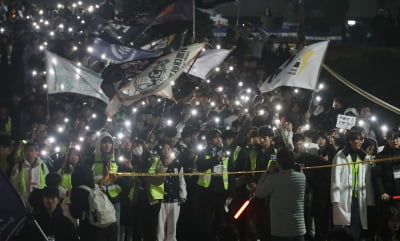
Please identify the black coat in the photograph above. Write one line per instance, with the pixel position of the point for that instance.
(382, 173)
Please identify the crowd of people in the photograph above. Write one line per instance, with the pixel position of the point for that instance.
(187, 166)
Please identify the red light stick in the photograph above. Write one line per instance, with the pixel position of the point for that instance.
(244, 206)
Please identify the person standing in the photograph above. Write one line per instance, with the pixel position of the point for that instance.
(285, 190)
(214, 190)
(29, 173)
(349, 186)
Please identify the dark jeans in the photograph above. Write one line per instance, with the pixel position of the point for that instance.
(144, 221)
(355, 221)
(297, 238)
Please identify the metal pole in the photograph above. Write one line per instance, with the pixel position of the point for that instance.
(194, 21)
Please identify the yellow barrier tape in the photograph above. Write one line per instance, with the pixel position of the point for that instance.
(139, 174)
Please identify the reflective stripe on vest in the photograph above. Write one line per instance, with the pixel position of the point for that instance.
(113, 189)
(22, 184)
(205, 180)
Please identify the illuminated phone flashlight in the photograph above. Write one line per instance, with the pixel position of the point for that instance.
(60, 129)
(212, 103)
(373, 118)
(87, 128)
(51, 33)
(120, 135)
(231, 68)
(237, 102)
(172, 155)
(228, 153)
(240, 84)
(40, 12)
(143, 103)
(261, 112)
(44, 153)
(318, 98)
(90, 9)
(90, 49)
(103, 56)
(277, 122)
(94, 115)
(70, 29)
(134, 110)
(98, 133)
(80, 3)
(193, 112)
(200, 147)
(57, 149)
(203, 49)
(74, 5)
(121, 158)
(341, 130)
(81, 138)
(307, 127)
(109, 119)
(208, 81)
(66, 120)
(127, 123)
(246, 110)
(321, 86)
(78, 147)
(61, 26)
(248, 91)
(218, 46)
(51, 139)
(203, 138)
(306, 145)
(278, 107)
(361, 122)
(220, 89)
(217, 69)
(45, 86)
(197, 103)
(169, 122)
(384, 128)
(217, 120)
(159, 100)
(296, 91)
(34, 72)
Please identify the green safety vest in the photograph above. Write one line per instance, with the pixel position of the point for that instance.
(112, 189)
(236, 154)
(8, 127)
(205, 180)
(22, 184)
(355, 170)
(66, 183)
(156, 191)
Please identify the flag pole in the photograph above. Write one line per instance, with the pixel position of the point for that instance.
(194, 21)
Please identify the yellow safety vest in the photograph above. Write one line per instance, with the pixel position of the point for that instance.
(236, 154)
(8, 127)
(22, 184)
(98, 166)
(355, 170)
(205, 180)
(156, 191)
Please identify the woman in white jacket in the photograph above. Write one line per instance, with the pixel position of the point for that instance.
(349, 191)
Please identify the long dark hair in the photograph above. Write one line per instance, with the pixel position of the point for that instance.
(66, 166)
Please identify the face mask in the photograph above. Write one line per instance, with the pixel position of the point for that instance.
(137, 151)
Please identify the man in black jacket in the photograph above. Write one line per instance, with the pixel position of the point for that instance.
(386, 175)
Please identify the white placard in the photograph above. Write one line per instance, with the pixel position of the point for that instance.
(345, 122)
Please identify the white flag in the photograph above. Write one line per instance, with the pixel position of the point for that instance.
(64, 76)
(300, 71)
(207, 61)
(155, 79)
